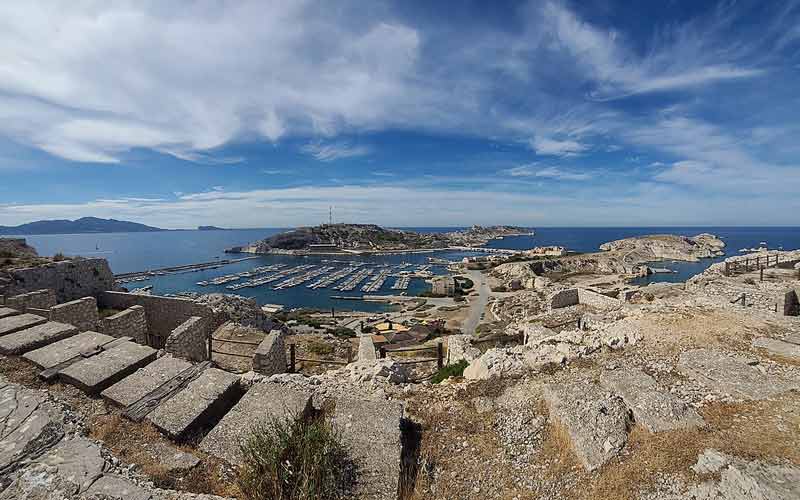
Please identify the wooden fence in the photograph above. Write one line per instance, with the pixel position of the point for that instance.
(439, 354)
(748, 264)
(293, 359)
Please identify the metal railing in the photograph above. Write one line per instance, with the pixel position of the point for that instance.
(747, 264)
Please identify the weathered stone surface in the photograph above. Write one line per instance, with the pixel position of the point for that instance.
(35, 337)
(793, 338)
(66, 471)
(382, 370)
(100, 371)
(190, 339)
(366, 348)
(131, 322)
(596, 421)
(270, 355)
(7, 311)
(656, 409)
(729, 374)
(459, 347)
(204, 400)
(137, 385)
(28, 424)
(58, 352)
(19, 322)
(778, 347)
(745, 480)
(111, 486)
(70, 279)
(172, 458)
(81, 313)
(263, 402)
(372, 430)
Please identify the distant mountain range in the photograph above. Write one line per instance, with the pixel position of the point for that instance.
(82, 225)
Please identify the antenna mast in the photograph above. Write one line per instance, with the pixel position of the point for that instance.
(330, 215)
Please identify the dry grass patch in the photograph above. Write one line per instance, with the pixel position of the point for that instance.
(131, 442)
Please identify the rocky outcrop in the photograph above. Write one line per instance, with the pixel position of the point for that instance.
(521, 271)
(667, 247)
(239, 310)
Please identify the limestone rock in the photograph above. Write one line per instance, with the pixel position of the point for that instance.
(745, 480)
(378, 370)
(595, 420)
(459, 347)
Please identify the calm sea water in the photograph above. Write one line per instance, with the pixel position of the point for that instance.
(127, 252)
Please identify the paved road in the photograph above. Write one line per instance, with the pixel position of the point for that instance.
(478, 305)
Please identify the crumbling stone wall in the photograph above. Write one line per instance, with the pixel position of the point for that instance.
(81, 313)
(163, 314)
(459, 347)
(270, 356)
(40, 299)
(69, 279)
(128, 323)
(594, 299)
(565, 298)
(190, 339)
(366, 349)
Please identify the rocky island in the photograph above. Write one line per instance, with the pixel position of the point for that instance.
(371, 238)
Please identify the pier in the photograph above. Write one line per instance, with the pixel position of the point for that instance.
(144, 275)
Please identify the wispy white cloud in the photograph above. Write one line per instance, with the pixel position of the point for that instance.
(533, 170)
(554, 147)
(334, 151)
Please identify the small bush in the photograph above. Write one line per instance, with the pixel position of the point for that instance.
(750, 281)
(649, 297)
(342, 332)
(296, 459)
(500, 288)
(448, 371)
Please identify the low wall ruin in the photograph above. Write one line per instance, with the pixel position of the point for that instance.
(190, 339)
(163, 314)
(128, 323)
(81, 313)
(69, 279)
(575, 296)
(366, 348)
(39, 299)
(270, 355)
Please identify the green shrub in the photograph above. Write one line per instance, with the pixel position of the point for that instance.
(448, 371)
(302, 458)
(320, 348)
(342, 332)
(499, 288)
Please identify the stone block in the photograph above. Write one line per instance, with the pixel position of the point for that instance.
(263, 402)
(460, 348)
(371, 428)
(81, 312)
(140, 383)
(655, 408)
(199, 405)
(190, 339)
(131, 322)
(100, 371)
(35, 337)
(70, 279)
(28, 425)
(113, 487)
(7, 311)
(270, 355)
(39, 299)
(595, 420)
(366, 348)
(564, 298)
(11, 324)
(778, 347)
(63, 350)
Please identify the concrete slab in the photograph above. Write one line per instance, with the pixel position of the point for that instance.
(58, 352)
(200, 404)
(778, 347)
(136, 386)
(372, 430)
(595, 420)
(653, 407)
(793, 338)
(263, 402)
(111, 486)
(35, 337)
(731, 374)
(7, 311)
(11, 324)
(102, 370)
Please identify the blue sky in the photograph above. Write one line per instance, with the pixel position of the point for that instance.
(264, 114)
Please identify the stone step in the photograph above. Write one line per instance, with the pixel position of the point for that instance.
(100, 371)
(371, 429)
(655, 408)
(264, 401)
(595, 420)
(7, 311)
(56, 353)
(35, 337)
(731, 374)
(11, 324)
(198, 406)
(139, 384)
(778, 347)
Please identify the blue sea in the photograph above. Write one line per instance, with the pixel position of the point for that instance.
(129, 252)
